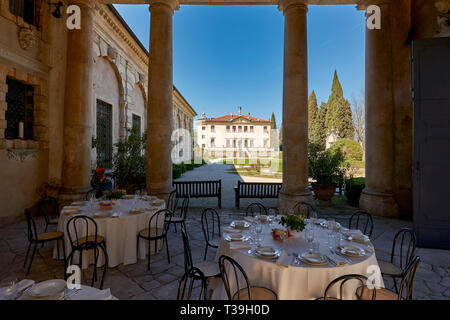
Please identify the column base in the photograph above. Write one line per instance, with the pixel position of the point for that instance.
(161, 194)
(379, 204)
(288, 200)
(68, 195)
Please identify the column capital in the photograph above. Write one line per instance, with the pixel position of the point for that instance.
(284, 5)
(364, 4)
(171, 4)
(85, 3)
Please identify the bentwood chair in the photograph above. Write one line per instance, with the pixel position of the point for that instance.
(257, 208)
(180, 218)
(188, 282)
(342, 281)
(49, 208)
(40, 238)
(82, 232)
(406, 291)
(211, 229)
(306, 208)
(232, 274)
(156, 231)
(403, 250)
(363, 221)
(98, 248)
(172, 203)
(208, 268)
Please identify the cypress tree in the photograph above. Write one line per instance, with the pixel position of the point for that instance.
(312, 111)
(319, 130)
(273, 123)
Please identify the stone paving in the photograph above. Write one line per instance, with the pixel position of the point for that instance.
(135, 282)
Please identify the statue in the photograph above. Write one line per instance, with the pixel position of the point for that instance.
(26, 38)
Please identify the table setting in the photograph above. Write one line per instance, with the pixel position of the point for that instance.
(278, 251)
(54, 289)
(118, 221)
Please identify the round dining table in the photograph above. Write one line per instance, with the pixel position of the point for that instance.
(119, 226)
(289, 277)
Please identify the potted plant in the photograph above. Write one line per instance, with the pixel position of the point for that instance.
(295, 224)
(130, 162)
(327, 168)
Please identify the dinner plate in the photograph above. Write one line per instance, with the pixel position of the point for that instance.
(240, 224)
(267, 253)
(360, 238)
(137, 211)
(235, 237)
(78, 203)
(352, 251)
(129, 197)
(47, 288)
(314, 258)
(71, 212)
(101, 215)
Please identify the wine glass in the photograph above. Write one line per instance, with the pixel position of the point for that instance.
(258, 230)
(272, 215)
(309, 235)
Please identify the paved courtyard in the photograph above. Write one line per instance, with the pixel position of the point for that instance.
(135, 282)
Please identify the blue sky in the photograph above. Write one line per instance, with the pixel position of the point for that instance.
(230, 56)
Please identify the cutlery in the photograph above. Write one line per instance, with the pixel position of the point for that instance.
(296, 259)
(331, 261)
(341, 255)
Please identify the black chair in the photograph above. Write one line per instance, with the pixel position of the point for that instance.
(40, 238)
(255, 208)
(158, 226)
(363, 219)
(396, 267)
(97, 247)
(211, 228)
(180, 218)
(187, 285)
(342, 280)
(306, 208)
(172, 203)
(49, 208)
(248, 292)
(406, 291)
(83, 236)
(209, 268)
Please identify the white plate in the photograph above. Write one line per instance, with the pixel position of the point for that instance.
(360, 238)
(103, 214)
(240, 225)
(266, 255)
(137, 211)
(267, 251)
(235, 237)
(47, 288)
(71, 212)
(316, 259)
(352, 251)
(78, 204)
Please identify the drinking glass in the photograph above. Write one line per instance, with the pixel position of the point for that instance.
(272, 217)
(309, 235)
(258, 230)
(338, 240)
(315, 247)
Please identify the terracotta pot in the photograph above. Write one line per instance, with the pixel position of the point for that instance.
(324, 192)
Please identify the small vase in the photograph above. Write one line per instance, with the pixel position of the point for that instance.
(295, 233)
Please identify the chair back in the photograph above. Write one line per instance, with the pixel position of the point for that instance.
(363, 221)
(31, 225)
(306, 208)
(403, 247)
(79, 227)
(343, 280)
(49, 208)
(184, 207)
(188, 264)
(210, 224)
(232, 274)
(406, 290)
(172, 203)
(188, 282)
(159, 224)
(255, 208)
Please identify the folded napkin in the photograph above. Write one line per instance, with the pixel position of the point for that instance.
(337, 260)
(239, 245)
(12, 293)
(231, 230)
(285, 259)
(92, 295)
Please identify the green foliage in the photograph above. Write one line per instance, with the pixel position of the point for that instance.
(353, 189)
(176, 172)
(130, 159)
(273, 123)
(313, 109)
(318, 133)
(339, 112)
(327, 167)
(294, 222)
(114, 195)
(352, 149)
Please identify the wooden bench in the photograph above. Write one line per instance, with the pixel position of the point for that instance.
(256, 190)
(200, 189)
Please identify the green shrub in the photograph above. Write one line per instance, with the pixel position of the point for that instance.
(326, 167)
(176, 172)
(353, 189)
(352, 149)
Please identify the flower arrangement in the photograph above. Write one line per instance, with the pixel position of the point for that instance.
(295, 222)
(114, 195)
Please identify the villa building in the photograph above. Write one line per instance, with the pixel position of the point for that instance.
(235, 136)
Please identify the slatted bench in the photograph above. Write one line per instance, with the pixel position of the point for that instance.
(256, 190)
(200, 189)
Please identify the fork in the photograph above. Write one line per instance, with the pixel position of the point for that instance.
(296, 259)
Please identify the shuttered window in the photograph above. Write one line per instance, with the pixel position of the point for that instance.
(19, 100)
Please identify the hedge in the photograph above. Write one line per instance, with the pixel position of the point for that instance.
(353, 189)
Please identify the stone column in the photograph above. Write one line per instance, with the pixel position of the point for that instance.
(378, 196)
(295, 105)
(78, 107)
(160, 98)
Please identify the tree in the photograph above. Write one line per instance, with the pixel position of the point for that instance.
(273, 123)
(319, 130)
(312, 111)
(273, 132)
(359, 122)
(339, 112)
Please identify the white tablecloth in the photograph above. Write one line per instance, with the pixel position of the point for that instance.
(120, 231)
(295, 282)
(85, 293)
